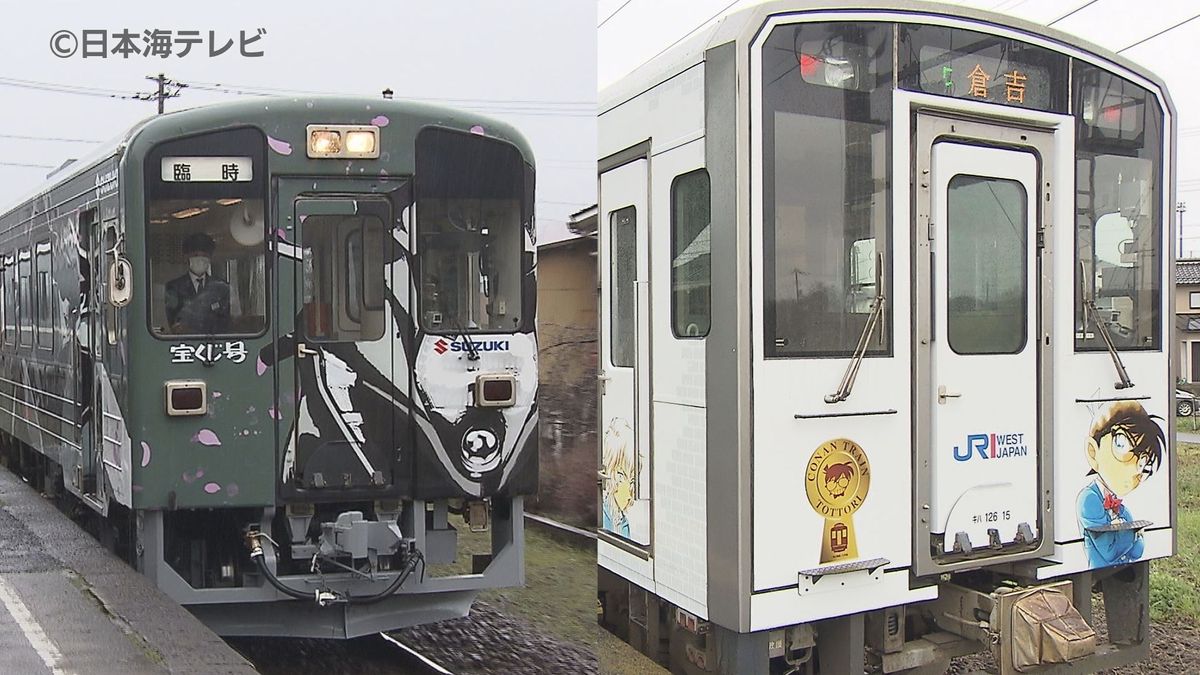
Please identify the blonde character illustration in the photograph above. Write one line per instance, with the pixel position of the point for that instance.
(619, 471)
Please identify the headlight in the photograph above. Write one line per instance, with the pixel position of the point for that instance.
(345, 141)
(360, 142)
(324, 143)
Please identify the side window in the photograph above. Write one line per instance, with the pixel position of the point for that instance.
(623, 274)
(43, 273)
(10, 301)
(1194, 300)
(24, 300)
(691, 262)
(4, 334)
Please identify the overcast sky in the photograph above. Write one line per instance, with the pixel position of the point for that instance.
(529, 62)
(634, 31)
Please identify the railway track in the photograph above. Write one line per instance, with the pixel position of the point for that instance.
(383, 653)
(379, 654)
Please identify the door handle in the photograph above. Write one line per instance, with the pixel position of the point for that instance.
(943, 394)
(302, 350)
(603, 380)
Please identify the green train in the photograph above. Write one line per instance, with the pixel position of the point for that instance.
(276, 345)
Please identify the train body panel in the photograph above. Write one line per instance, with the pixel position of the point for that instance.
(271, 340)
(939, 314)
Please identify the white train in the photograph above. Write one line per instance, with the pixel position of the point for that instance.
(886, 308)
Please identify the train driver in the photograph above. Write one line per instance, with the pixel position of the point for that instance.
(196, 301)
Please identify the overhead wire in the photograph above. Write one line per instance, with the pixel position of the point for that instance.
(66, 89)
(508, 103)
(693, 31)
(49, 138)
(610, 16)
(1078, 9)
(1161, 32)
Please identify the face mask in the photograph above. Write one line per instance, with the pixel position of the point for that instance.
(199, 265)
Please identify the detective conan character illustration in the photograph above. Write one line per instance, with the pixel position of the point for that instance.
(619, 473)
(1125, 448)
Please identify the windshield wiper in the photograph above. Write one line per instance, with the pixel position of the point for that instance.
(1090, 310)
(860, 350)
(1089, 305)
(472, 352)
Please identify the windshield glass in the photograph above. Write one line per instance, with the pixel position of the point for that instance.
(1118, 228)
(205, 280)
(471, 207)
(206, 236)
(826, 186)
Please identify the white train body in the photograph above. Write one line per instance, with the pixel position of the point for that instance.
(855, 326)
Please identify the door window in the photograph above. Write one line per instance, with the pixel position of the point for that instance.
(986, 283)
(623, 271)
(343, 277)
(691, 262)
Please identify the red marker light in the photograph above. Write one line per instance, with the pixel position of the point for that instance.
(1111, 114)
(808, 65)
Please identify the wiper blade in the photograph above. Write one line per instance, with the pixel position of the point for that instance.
(860, 350)
(1089, 306)
(472, 353)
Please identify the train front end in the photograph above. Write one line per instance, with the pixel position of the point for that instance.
(334, 393)
(934, 409)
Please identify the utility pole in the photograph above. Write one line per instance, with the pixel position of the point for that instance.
(162, 94)
(1180, 208)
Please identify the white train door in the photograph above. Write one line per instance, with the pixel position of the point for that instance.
(983, 347)
(625, 353)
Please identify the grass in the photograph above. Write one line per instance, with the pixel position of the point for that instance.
(1175, 581)
(1185, 424)
(559, 595)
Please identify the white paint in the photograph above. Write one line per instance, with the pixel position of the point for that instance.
(415, 653)
(625, 390)
(993, 396)
(33, 631)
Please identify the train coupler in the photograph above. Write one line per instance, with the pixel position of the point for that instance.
(1025, 628)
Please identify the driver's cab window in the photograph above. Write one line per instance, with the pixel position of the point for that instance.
(206, 235)
(205, 280)
(472, 204)
(1118, 227)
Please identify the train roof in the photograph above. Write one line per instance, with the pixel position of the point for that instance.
(744, 23)
(266, 112)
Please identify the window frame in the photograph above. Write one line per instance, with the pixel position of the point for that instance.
(1024, 277)
(526, 206)
(613, 287)
(1194, 299)
(43, 336)
(1083, 151)
(702, 171)
(237, 140)
(810, 100)
(24, 298)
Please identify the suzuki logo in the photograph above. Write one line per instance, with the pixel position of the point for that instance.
(442, 346)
